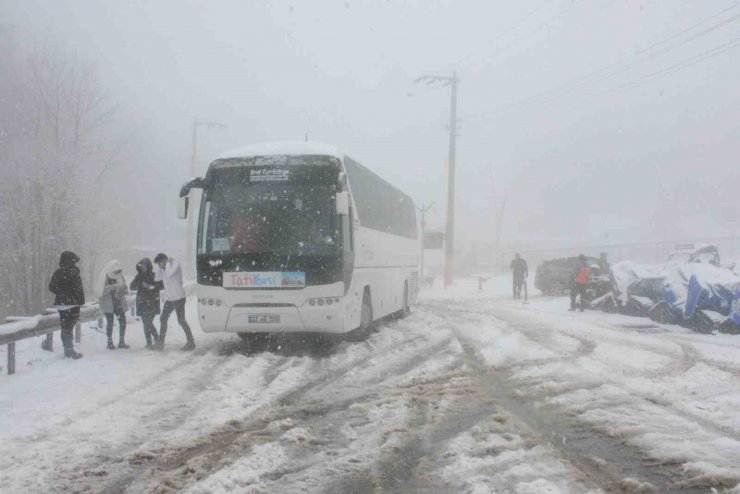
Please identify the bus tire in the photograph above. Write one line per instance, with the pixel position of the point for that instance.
(366, 320)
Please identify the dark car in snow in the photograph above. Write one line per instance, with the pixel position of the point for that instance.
(554, 277)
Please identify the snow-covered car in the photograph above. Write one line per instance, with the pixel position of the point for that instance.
(690, 253)
(554, 277)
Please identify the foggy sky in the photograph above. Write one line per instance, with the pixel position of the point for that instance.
(600, 163)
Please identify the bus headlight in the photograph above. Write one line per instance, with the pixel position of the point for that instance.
(323, 301)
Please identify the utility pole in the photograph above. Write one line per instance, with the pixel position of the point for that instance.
(423, 210)
(189, 263)
(450, 227)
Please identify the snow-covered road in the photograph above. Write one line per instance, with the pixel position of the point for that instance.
(472, 393)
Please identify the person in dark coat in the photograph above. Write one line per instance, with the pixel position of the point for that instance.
(66, 285)
(147, 298)
(606, 269)
(520, 271)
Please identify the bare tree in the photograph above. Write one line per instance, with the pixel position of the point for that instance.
(50, 145)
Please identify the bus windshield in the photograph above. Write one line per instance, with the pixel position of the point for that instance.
(269, 210)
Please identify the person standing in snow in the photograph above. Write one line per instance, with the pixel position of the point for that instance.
(606, 269)
(170, 273)
(113, 302)
(520, 271)
(581, 277)
(66, 285)
(147, 298)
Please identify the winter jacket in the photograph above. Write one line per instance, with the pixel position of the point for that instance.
(584, 275)
(147, 289)
(66, 283)
(172, 278)
(113, 289)
(519, 268)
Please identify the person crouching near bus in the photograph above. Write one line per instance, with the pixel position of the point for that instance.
(113, 302)
(578, 286)
(170, 273)
(66, 285)
(147, 298)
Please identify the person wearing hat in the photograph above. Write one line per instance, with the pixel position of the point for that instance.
(170, 273)
(66, 285)
(113, 291)
(147, 298)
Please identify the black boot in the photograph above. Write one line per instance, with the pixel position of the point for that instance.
(111, 346)
(190, 345)
(122, 337)
(69, 352)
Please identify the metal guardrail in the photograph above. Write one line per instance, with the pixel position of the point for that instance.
(21, 328)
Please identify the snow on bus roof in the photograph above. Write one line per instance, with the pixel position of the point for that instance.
(290, 148)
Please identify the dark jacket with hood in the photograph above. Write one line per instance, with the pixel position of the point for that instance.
(147, 289)
(66, 284)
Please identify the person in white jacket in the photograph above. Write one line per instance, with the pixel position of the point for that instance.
(170, 273)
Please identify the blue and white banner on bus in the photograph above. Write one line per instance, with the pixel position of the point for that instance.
(265, 279)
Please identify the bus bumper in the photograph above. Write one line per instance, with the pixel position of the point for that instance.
(319, 319)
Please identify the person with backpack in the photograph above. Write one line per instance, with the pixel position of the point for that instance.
(170, 273)
(147, 298)
(580, 281)
(69, 295)
(113, 291)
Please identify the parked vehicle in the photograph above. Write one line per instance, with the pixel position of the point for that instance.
(690, 253)
(554, 277)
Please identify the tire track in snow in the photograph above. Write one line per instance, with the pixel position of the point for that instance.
(678, 365)
(219, 447)
(581, 445)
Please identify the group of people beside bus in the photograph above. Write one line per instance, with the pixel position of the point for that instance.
(112, 291)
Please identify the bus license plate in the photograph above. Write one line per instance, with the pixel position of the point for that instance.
(264, 318)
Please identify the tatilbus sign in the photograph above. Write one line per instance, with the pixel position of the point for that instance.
(266, 279)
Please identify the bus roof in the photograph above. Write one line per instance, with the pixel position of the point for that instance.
(289, 148)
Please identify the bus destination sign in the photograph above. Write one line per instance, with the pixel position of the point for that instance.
(266, 279)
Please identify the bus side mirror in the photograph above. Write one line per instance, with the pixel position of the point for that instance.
(182, 207)
(184, 202)
(342, 199)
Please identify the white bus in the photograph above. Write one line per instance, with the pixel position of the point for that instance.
(298, 237)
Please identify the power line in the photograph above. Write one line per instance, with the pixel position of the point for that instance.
(604, 72)
(684, 41)
(706, 55)
(542, 25)
(520, 21)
